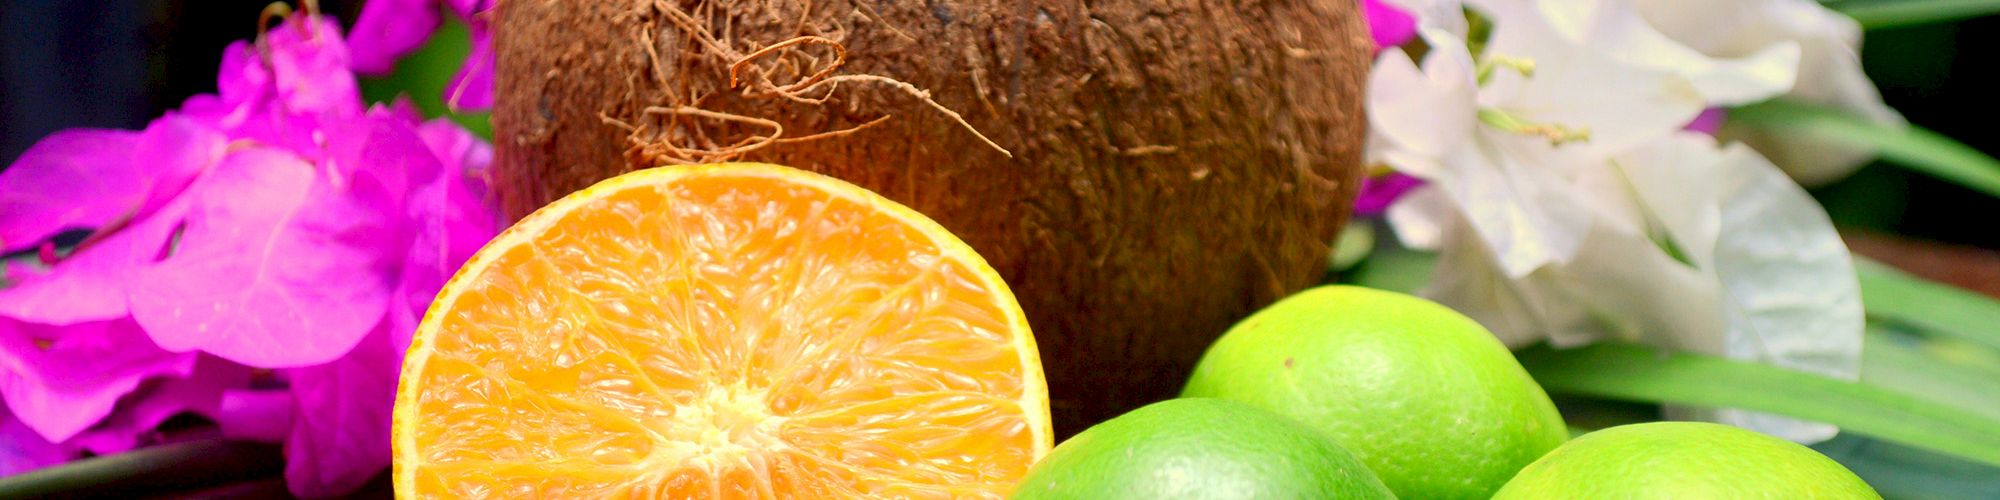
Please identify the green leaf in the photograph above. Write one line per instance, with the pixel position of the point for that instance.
(1881, 14)
(1898, 471)
(1636, 373)
(1891, 295)
(1909, 146)
(1946, 371)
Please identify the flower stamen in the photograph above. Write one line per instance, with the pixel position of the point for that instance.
(1522, 65)
(1557, 134)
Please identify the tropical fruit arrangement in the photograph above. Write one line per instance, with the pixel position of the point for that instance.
(994, 249)
(755, 331)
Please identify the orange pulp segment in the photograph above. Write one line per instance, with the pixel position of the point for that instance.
(721, 331)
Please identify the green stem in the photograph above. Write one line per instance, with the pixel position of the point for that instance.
(151, 469)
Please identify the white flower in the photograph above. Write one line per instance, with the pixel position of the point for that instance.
(1567, 205)
(1492, 146)
(1618, 29)
(1698, 247)
(1829, 69)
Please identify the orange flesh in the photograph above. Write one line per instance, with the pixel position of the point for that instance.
(722, 336)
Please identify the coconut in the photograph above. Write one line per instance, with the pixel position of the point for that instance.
(1143, 174)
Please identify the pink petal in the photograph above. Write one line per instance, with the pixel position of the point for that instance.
(452, 218)
(22, 450)
(340, 431)
(277, 267)
(242, 77)
(256, 415)
(387, 29)
(143, 411)
(450, 226)
(469, 9)
(1389, 25)
(281, 100)
(465, 160)
(11, 272)
(1708, 122)
(464, 156)
(311, 67)
(383, 151)
(472, 87)
(459, 149)
(62, 380)
(248, 108)
(174, 150)
(1378, 192)
(403, 109)
(92, 284)
(74, 179)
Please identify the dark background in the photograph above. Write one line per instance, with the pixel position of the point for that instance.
(118, 63)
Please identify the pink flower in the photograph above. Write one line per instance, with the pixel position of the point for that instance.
(280, 224)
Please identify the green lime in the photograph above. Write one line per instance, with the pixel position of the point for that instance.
(1684, 460)
(1200, 448)
(1431, 401)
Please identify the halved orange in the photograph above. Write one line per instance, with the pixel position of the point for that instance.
(723, 331)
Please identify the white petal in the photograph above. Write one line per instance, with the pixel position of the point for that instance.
(1421, 217)
(1617, 28)
(1790, 283)
(1788, 272)
(1673, 179)
(1512, 192)
(1618, 286)
(1429, 111)
(1635, 292)
(1829, 70)
(1469, 281)
(1830, 75)
(1738, 28)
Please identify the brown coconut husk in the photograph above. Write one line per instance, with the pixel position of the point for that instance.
(1143, 174)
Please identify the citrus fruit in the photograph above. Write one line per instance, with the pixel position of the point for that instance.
(726, 331)
(1432, 402)
(1684, 460)
(1200, 448)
